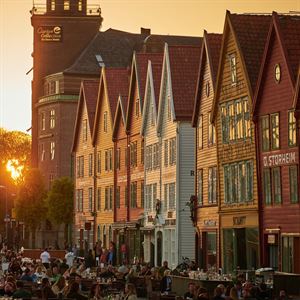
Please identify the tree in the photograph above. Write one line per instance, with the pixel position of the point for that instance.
(30, 205)
(60, 202)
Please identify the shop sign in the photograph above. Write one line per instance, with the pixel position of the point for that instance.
(239, 220)
(210, 223)
(271, 239)
(280, 159)
(50, 33)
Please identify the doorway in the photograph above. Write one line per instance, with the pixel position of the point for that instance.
(159, 241)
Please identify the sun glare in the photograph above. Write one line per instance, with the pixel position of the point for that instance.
(13, 166)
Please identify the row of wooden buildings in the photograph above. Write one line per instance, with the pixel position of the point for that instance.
(193, 150)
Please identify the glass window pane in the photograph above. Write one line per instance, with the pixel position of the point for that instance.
(265, 133)
(292, 129)
(275, 131)
(267, 186)
(293, 175)
(276, 182)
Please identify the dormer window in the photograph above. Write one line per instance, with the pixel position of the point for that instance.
(232, 60)
(66, 4)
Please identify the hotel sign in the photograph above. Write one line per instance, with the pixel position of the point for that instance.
(50, 33)
(280, 159)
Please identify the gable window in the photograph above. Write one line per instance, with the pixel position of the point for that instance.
(169, 107)
(52, 150)
(152, 113)
(232, 60)
(265, 133)
(99, 162)
(166, 143)
(52, 118)
(43, 121)
(292, 128)
(212, 185)
(66, 4)
(133, 195)
(274, 131)
(118, 197)
(293, 176)
(108, 160)
(172, 146)
(90, 199)
(211, 131)
(105, 121)
(239, 119)
(200, 186)
(84, 130)
(80, 166)
(200, 132)
(225, 123)
(137, 107)
(90, 164)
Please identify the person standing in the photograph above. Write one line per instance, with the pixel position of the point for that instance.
(45, 258)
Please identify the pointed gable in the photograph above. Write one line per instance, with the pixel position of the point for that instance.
(210, 54)
(120, 115)
(87, 98)
(297, 94)
(184, 66)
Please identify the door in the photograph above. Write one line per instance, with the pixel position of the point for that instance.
(159, 241)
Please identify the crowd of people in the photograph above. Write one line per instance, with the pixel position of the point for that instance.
(63, 278)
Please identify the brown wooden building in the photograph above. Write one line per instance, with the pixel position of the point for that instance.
(83, 152)
(277, 146)
(206, 174)
(243, 43)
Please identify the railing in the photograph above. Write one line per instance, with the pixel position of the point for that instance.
(91, 10)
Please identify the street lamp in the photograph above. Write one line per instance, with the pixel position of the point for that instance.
(6, 212)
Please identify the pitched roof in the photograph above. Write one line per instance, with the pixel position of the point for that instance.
(210, 53)
(251, 32)
(184, 66)
(115, 48)
(120, 114)
(297, 94)
(88, 95)
(156, 74)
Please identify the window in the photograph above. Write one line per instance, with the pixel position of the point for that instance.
(265, 133)
(52, 5)
(211, 131)
(108, 160)
(80, 166)
(118, 197)
(105, 121)
(200, 186)
(292, 128)
(267, 186)
(84, 130)
(137, 108)
(118, 159)
(142, 195)
(233, 73)
(275, 131)
(152, 113)
(56, 86)
(238, 182)
(276, 183)
(154, 196)
(79, 200)
(172, 145)
(200, 132)
(287, 254)
(91, 164)
(212, 185)
(207, 89)
(52, 118)
(90, 199)
(277, 73)
(293, 175)
(98, 198)
(42, 152)
(126, 196)
(169, 196)
(99, 162)
(166, 142)
(142, 151)
(235, 118)
(156, 156)
(52, 150)
(66, 4)
(133, 154)
(169, 107)
(43, 121)
(133, 195)
(99, 60)
(108, 197)
(79, 5)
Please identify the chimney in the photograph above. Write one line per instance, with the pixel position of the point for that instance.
(145, 31)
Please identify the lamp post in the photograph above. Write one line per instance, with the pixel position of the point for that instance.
(6, 212)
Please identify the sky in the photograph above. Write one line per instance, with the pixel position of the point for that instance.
(180, 17)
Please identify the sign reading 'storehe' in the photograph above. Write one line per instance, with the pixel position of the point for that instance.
(50, 33)
(280, 159)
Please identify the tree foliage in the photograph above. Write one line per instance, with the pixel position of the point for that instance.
(60, 201)
(30, 203)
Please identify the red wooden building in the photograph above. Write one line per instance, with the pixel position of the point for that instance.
(277, 147)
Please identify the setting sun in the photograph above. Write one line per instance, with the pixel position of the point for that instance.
(13, 166)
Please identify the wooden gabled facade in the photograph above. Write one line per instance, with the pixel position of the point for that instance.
(152, 150)
(243, 42)
(83, 152)
(113, 81)
(277, 145)
(206, 173)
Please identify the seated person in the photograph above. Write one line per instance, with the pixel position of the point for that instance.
(21, 292)
(46, 289)
(191, 293)
(109, 273)
(78, 279)
(74, 292)
(96, 292)
(27, 276)
(146, 270)
(123, 269)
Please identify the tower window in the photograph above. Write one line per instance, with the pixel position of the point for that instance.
(66, 4)
(79, 5)
(52, 4)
